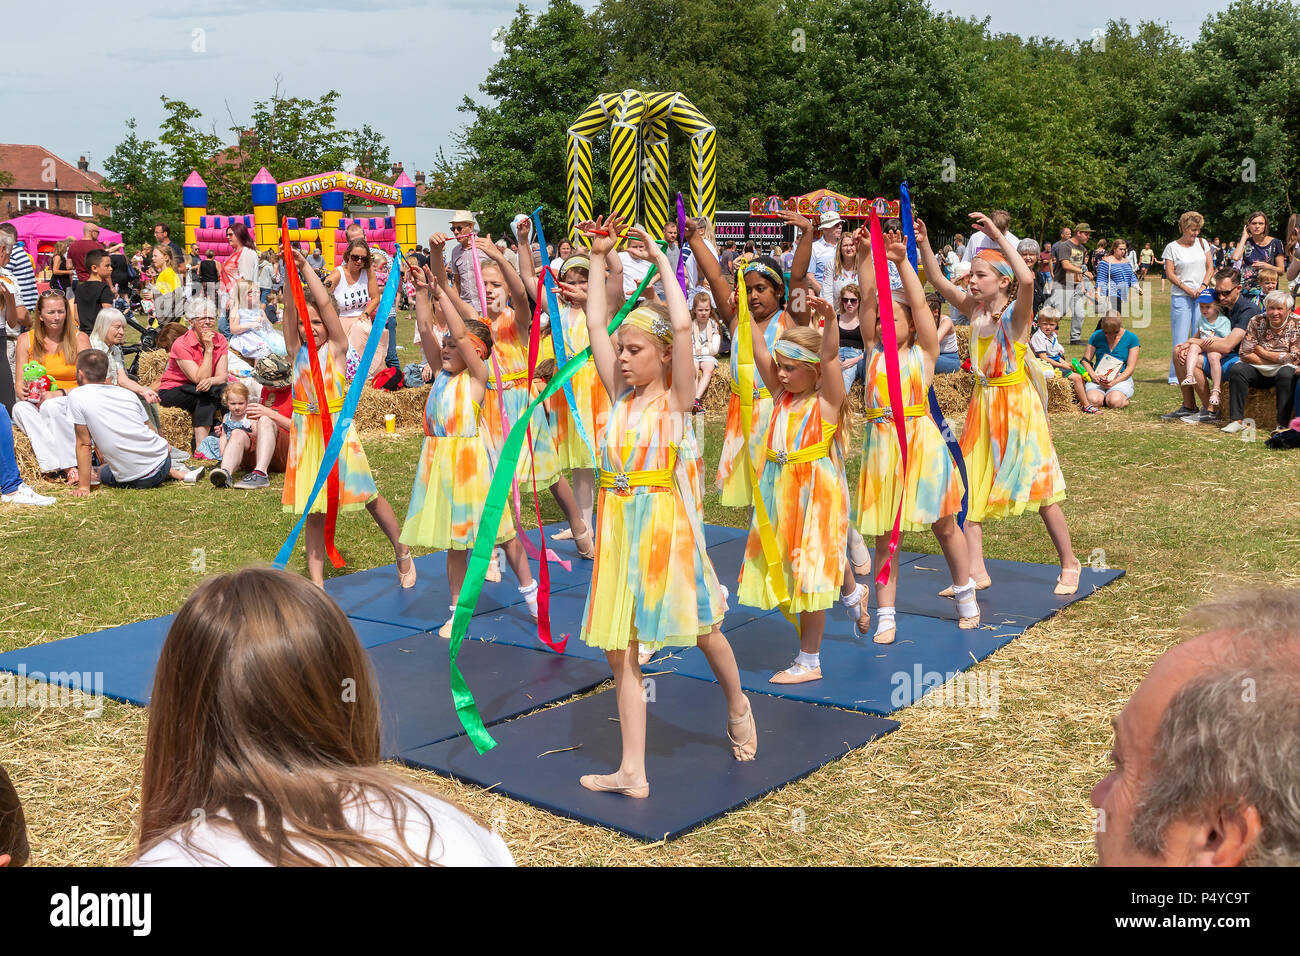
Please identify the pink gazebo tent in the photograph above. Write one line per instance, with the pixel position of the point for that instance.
(39, 231)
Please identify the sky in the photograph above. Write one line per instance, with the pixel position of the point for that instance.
(403, 66)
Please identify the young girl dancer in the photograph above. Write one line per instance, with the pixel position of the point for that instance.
(452, 478)
(802, 484)
(1011, 465)
(307, 437)
(930, 491)
(652, 582)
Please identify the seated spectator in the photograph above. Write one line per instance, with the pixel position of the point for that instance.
(52, 344)
(252, 335)
(272, 308)
(289, 775)
(110, 330)
(14, 849)
(195, 376)
(110, 419)
(949, 359)
(1111, 359)
(707, 341)
(271, 416)
(1211, 323)
(13, 490)
(961, 279)
(1206, 754)
(1270, 352)
(1239, 311)
(1045, 345)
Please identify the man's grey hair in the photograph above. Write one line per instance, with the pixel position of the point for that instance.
(1278, 298)
(1028, 245)
(6, 240)
(1230, 737)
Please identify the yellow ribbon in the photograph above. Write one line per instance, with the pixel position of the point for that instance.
(760, 391)
(310, 408)
(745, 384)
(803, 455)
(650, 478)
(882, 414)
(509, 377)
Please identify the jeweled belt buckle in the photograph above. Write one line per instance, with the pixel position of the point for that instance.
(781, 458)
(312, 409)
(621, 482)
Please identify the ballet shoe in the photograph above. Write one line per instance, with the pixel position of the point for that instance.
(886, 636)
(586, 545)
(740, 749)
(493, 569)
(598, 783)
(796, 673)
(565, 535)
(1062, 587)
(406, 578)
(981, 584)
(968, 623)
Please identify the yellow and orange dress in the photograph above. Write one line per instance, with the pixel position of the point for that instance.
(807, 500)
(932, 487)
(510, 358)
(453, 474)
(589, 398)
(307, 442)
(731, 482)
(1011, 465)
(652, 580)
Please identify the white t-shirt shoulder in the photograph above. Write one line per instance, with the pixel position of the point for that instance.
(118, 426)
(458, 840)
(980, 241)
(1189, 261)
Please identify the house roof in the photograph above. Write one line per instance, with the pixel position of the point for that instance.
(27, 164)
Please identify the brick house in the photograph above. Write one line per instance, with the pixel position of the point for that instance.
(44, 181)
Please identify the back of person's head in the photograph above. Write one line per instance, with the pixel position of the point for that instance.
(1112, 323)
(94, 257)
(264, 715)
(14, 848)
(169, 334)
(9, 229)
(1001, 219)
(935, 301)
(92, 365)
(208, 254)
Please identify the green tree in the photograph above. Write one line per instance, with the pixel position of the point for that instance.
(142, 188)
(368, 148)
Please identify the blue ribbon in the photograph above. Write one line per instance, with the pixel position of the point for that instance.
(343, 424)
(557, 331)
(954, 446)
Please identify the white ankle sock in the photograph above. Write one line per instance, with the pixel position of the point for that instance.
(853, 602)
(529, 591)
(884, 619)
(965, 598)
(809, 661)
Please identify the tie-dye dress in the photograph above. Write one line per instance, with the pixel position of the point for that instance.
(1011, 464)
(808, 505)
(453, 474)
(932, 488)
(589, 398)
(307, 443)
(731, 481)
(510, 357)
(652, 580)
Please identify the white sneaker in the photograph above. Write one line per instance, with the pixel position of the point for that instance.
(193, 475)
(25, 496)
(1233, 427)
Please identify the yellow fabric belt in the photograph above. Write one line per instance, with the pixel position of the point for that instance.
(511, 377)
(311, 408)
(887, 414)
(1015, 378)
(653, 478)
(810, 453)
(759, 390)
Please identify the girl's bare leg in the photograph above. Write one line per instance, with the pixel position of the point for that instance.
(740, 724)
(314, 541)
(630, 777)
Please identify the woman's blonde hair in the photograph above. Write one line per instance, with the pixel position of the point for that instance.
(1189, 219)
(265, 717)
(67, 341)
(809, 338)
(166, 252)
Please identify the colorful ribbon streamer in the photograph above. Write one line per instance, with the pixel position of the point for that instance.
(889, 342)
(557, 330)
(318, 383)
(745, 381)
(681, 245)
(350, 401)
(954, 446)
(484, 542)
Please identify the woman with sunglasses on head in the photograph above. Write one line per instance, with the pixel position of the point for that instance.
(356, 295)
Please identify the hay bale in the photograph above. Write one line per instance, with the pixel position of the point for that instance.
(963, 340)
(407, 404)
(151, 367)
(27, 468)
(1261, 407)
(176, 425)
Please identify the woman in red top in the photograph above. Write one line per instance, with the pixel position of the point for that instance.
(195, 377)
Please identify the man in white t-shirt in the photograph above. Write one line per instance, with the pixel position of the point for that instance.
(112, 419)
(978, 241)
(822, 264)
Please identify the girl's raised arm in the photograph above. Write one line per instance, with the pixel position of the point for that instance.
(526, 272)
(602, 346)
(831, 393)
(475, 362)
(429, 344)
(868, 307)
(683, 363)
(325, 308)
(1023, 277)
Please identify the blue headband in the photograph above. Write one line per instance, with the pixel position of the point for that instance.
(795, 351)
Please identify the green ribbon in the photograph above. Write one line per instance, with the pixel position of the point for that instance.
(490, 521)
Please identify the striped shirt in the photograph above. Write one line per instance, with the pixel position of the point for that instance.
(1114, 278)
(20, 267)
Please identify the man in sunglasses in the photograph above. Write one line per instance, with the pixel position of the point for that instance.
(1239, 310)
(461, 266)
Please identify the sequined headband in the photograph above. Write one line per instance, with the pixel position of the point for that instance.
(767, 272)
(795, 351)
(997, 260)
(650, 322)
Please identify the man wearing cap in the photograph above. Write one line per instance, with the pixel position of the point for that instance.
(460, 265)
(271, 420)
(829, 228)
(1068, 274)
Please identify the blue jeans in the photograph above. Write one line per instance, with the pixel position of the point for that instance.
(390, 357)
(1182, 319)
(10, 480)
(148, 481)
(947, 362)
(858, 371)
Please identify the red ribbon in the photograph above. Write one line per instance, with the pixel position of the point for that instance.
(889, 342)
(318, 382)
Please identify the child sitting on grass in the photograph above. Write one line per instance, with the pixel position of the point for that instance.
(223, 444)
(111, 419)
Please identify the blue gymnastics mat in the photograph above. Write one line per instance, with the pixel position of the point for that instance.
(415, 689)
(127, 655)
(693, 776)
